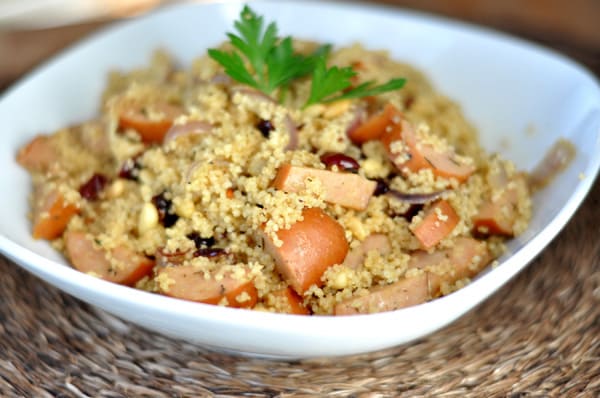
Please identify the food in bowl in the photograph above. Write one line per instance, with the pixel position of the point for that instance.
(277, 175)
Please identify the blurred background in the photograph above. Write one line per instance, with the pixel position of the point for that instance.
(32, 30)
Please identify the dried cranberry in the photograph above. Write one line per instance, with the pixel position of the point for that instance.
(265, 127)
(165, 215)
(412, 211)
(170, 220)
(381, 188)
(209, 252)
(199, 241)
(408, 214)
(162, 203)
(130, 169)
(92, 188)
(343, 162)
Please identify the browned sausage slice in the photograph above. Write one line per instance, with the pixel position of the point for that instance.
(309, 247)
(346, 189)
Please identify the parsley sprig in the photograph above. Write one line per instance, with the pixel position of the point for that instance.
(263, 61)
(328, 82)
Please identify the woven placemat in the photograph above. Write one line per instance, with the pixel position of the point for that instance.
(538, 336)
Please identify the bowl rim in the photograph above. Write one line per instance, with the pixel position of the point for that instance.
(488, 282)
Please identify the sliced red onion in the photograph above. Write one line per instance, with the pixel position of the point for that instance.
(415, 198)
(556, 160)
(360, 115)
(190, 171)
(164, 258)
(293, 133)
(216, 162)
(190, 127)
(221, 78)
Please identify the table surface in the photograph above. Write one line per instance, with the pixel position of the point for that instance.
(538, 336)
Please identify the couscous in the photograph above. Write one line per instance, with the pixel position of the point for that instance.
(196, 185)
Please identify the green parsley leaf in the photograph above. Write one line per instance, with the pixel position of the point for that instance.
(327, 82)
(369, 88)
(255, 44)
(263, 61)
(302, 66)
(234, 66)
(310, 62)
(283, 64)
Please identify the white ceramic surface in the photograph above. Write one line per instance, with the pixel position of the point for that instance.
(521, 97)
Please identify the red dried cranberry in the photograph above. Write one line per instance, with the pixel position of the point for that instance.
(170, 220)
(265, 127)
(209, 252)
(199, 241)
(343, 162)
(412, 211)
(381, 188)
(92, 188)
(165, 215)
(130, 169)
(162, 203)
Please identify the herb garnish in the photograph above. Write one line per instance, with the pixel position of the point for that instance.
(274, 64)
(329, 81)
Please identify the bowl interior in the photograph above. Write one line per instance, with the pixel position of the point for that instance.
(522, 98)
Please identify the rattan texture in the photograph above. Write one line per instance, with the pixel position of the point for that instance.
(537, 336)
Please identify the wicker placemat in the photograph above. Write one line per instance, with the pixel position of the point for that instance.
(538, 336)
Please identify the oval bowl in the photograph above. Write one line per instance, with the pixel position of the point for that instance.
(520, 96)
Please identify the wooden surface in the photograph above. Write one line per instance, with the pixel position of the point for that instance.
(570, 26)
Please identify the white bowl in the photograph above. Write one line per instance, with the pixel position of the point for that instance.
(521, 97)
